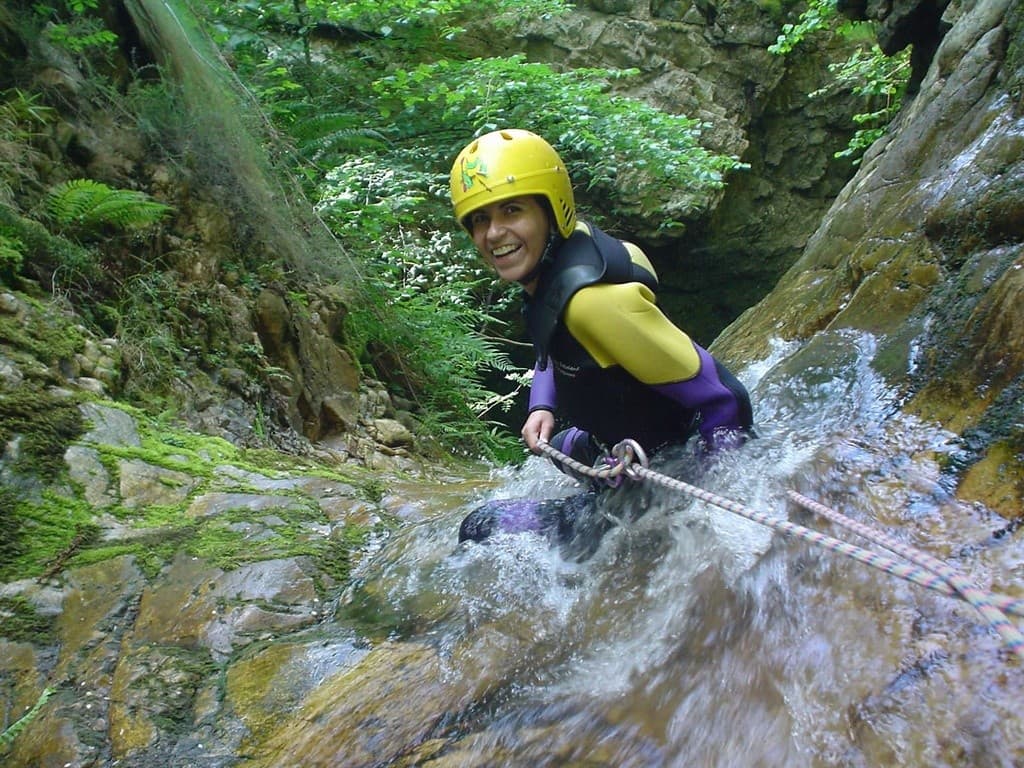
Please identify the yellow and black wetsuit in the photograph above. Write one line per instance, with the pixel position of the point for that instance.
(614, 367)
(612, 363)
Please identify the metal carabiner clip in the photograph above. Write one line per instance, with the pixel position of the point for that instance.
(627, 452)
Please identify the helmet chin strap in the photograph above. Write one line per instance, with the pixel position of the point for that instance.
(554, 240)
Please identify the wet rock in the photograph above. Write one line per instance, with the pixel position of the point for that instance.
(97, 600)
(219, 502)
(86, 468)
(366, 715)
(145, 485)
(273, 681)
(9, 304)
(109, 426)
(392, 433)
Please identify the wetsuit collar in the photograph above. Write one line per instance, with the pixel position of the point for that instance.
(554, 240)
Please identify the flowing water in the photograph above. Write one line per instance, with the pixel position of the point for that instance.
(693, 637)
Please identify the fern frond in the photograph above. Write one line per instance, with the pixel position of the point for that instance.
(334, 133)
(86, 205)
(12, 252)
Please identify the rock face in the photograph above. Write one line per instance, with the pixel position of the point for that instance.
(319, 377)
(923, 248)
(173, 631)
(710, 61)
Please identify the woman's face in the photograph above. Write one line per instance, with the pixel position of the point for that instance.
(511, 236)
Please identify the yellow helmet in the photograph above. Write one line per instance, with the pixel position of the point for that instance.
(510, 163)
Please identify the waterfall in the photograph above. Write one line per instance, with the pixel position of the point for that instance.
(695, 637)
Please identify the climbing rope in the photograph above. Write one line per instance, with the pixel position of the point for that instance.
(629, 460)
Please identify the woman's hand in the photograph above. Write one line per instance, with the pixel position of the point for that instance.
(539, 426)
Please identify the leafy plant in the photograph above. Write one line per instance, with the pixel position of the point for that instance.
(88, 206)
(150, 327)
(819, 16)
(22, 120)
(880, 79)
(599, 132)
(57, 261)
(430, 342)
(12, 253)
(72, 27)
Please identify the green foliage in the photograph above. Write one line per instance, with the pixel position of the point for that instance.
(46, 425)
(598, 132)
(151, 327)
(56, 260)
(72, 25)
(819, 16)
(391, 18)
(880, 79)
(12, 254)
(336, 134)
(87, 207)
(371, 196)
(22, 122)
(428, 341)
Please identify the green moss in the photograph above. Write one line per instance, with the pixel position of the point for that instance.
(47, 425)
(12, 545)
(226, 540)
(166, 695)
(151, 552)
(337, 555)
(51, 528)
(47, 254)
(20, 623)
(39, 336)
(374, 490)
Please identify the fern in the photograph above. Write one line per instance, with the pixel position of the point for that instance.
(12, 253)
(88, 206)
(9, 734)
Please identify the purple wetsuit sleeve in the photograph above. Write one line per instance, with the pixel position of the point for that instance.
(718, 405)
(542, 388)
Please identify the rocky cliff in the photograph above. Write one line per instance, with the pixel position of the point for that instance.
(924, 248)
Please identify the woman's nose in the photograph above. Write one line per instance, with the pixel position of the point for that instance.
(495, 228)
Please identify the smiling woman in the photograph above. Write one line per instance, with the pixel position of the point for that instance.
(619, 367)
(513, 236)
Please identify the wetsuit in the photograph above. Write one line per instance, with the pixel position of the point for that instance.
(612, 364)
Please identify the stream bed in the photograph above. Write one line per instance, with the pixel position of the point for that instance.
(695, 637)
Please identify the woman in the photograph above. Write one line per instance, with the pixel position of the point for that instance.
(608, 360)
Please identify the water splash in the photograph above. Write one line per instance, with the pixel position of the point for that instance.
(695, 637)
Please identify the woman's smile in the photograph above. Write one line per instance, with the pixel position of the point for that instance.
(511, 235)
